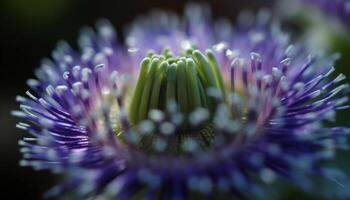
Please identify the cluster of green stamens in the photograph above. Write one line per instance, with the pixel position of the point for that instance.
(164, 79)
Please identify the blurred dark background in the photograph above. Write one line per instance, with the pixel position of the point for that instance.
(29, 31)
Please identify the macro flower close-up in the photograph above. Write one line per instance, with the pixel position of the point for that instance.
(187, 106)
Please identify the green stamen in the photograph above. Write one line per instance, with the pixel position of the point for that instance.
(215, 67)
(146, 93)
(164, 79)
(135, 102)
(206, 72)
(182, 87)
(204, 97)
(193, 85)
(171, 83)
(160, 75)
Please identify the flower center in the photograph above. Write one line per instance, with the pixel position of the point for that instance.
(166, 82)
(186, 80)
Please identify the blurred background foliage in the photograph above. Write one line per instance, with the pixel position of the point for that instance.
(38, 13)
(31, 28)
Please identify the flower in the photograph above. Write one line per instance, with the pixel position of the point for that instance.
(209, 112)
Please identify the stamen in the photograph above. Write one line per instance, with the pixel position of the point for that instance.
(135, 103)
(148, 89)
(165, 80)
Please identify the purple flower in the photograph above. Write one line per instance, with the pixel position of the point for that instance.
(209, 112)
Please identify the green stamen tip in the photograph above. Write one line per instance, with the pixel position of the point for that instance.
(205, 68)
(167, 53)
(215, 67)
